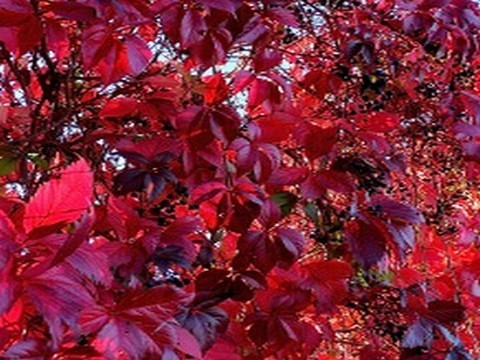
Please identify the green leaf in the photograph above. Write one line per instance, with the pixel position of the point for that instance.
(39, 161)
(7, 165)
(311, 210)
(219, 235)
(286, 201)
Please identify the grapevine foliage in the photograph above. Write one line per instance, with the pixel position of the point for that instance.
(239, 179)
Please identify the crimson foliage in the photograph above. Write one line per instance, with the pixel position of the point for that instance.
(228, 179)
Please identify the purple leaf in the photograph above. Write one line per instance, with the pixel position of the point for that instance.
(192, 28)
(419, 334)
(290, 244)
(367, 240)
(204, 324)
(396, 210)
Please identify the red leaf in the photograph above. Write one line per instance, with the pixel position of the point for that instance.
(266, 60)
(335, 180)
(58, 297)
(329, 279)
(97, 41)
(7, 239)
(247, 155)
(224, 122)
(472, 104)
(288, 176)
(188, 344)
(160, 302)
(245, 284)
(29, 34)
(381, 122)
(243, 78)
(74, 240)
(279, 125)
(112, 57)
(156, 149)
(222, 350)
(137, 325)
(281, 330)
(259, 92)
(138, 54)
(216, 89)
(119, 337)
(223, 5)
(13, 18)
(73, 11)
(407, 277)
(113, 65)
(321, 82)
(429, 4)
(19, 14)
(9, 289)
(333, 270)
(252, 31)
(61, 199)
(270, 213)
(207, 191)
(319, 141)
(256, 248)
(178, 233)
(131, 12)
(92, 263)
(283, 16)
(119, 107)
(57, 38)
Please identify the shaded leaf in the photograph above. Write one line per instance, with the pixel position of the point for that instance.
(367, 239)
(137, 325)
(396, 210)
(204, 324)
(445, 312)
(192, 28)
(290, 244)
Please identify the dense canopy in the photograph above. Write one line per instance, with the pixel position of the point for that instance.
(228, 179)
